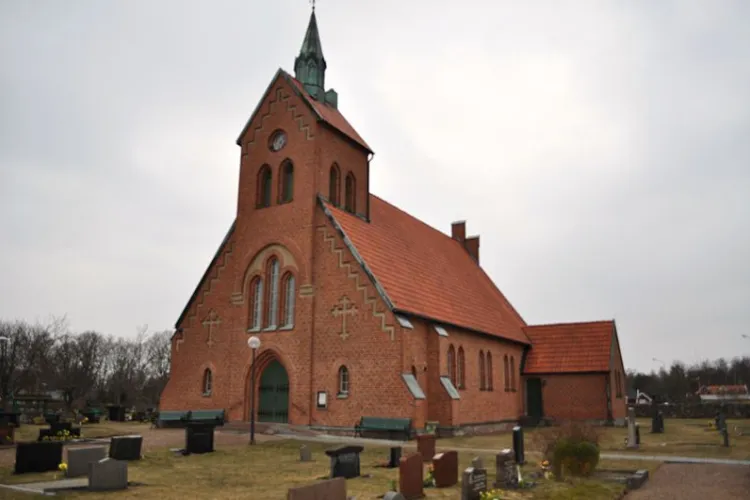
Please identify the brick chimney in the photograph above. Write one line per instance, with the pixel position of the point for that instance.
(472, 246)
(458, 231)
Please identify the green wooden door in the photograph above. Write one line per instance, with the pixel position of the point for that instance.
(273, 404)
(534, 405)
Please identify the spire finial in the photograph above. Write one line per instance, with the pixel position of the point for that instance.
(313, 4)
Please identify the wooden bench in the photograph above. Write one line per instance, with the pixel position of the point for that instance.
(382, 425)
(182, 417)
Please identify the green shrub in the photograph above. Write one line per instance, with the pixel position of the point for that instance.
(578, 458)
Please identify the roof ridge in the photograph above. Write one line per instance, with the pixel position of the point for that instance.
(573, 323)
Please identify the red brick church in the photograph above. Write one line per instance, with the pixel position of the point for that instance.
(361, 308)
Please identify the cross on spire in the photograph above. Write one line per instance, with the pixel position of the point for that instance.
(313, 4)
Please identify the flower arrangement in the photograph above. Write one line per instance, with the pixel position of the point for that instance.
(546, 470)
(63, 467)
(491, 495)
(429, 481)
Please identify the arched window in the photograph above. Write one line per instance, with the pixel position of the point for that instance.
(490, 384)
(343, 380)
(286, 187)
(513, 373)
(334, 185)
(351, 193)
(256, 303)
(460, 368)
(207, 382)
(289, 288)
(452, 364)
(481, 371)
(272, 278)
(264, 186)
(506, 370)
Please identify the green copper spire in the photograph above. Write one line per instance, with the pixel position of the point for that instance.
(309, 65)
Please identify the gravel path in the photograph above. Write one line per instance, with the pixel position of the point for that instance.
(696, 482)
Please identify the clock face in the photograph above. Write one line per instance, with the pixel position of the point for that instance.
(278, 141)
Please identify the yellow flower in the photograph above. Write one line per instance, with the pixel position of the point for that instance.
(63, 466)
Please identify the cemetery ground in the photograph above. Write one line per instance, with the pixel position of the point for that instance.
(272, 466)
(681, 437)
(269, 468)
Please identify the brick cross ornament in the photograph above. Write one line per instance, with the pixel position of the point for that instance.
(211, 321)
(344, 308)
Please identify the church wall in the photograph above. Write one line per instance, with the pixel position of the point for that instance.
(619, 405)
(476, 405)
(574, 396)
(416, 360)
(372, 351)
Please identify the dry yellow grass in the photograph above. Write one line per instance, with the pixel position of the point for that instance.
(682, 437)
(267, 470)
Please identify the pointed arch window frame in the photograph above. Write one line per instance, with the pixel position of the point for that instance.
(264, 180)
(255, 310)
(490, 386)
(271, 311)
(286, 182)
(506, 370)
(482, 373)
(288, 295)
(207, 382)
(350, 193)
(461, 369)
(344, 382)
(451, 361)
(334, 185)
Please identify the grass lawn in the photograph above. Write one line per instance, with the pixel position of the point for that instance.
(266, 471)
(685, 437)
(30, 432)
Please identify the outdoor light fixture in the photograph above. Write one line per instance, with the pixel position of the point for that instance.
(253, 343)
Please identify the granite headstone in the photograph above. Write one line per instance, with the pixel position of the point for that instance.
(445, 469)
(411, 476)
(473, 483)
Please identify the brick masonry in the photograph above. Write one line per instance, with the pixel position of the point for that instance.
(376, 349)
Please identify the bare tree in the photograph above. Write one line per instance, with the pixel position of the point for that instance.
(78, 362)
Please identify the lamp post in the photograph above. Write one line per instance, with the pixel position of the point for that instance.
(4, 353)
(254, 344)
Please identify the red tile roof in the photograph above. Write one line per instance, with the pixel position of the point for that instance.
(426, 273)
(570, 347)
(329, 114)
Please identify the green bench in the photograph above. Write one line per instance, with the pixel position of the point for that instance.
(182, 417)
(381, 425)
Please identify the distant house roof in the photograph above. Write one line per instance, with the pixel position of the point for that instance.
(570, 347)
(722, 389)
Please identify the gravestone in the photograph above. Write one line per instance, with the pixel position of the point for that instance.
(394, 495)
(108, 474)
(330, 489)
(410, 476)
(80, 458)
(632, 440)
(506, 475)
(426, 446)
(394, 457)
(477, 463)
(38, 456)
(345, 461)
(305, 455)
(473, 483)
(125, 447)
(518, 445)
(116, 413)
(445, 469)
(199, 438)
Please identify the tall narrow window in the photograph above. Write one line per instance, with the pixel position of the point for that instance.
(264, 186)
(506, 370)
(513, 373)
(286, 188)
(272, 319)
(256, 303)
(460, 368)
(343, 380)
(351, 193)
(452, 365)
(334, 185)
(490, 384)
(481, 371)
(207, 382)
(288, 299)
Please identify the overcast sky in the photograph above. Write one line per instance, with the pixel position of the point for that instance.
(600, 149)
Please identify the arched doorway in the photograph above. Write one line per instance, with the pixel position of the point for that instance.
(273, 394)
